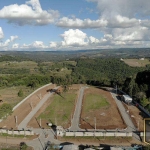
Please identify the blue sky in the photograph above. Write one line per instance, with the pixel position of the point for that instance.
(74, 24)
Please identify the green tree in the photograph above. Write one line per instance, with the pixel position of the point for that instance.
(144, 101)
(20, 93)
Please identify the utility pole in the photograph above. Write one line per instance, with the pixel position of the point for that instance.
(95, 122)
(31, 105)
(16, 121)
(40, 122)
(138, 124)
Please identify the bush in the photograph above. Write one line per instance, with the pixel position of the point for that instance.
(5, 109)
(20, 93)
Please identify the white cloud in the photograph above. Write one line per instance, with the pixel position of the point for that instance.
(78, 23)
(128, 8)
(15, 46)
(1, 33)
(53, 45)
(5, 45)
(93, 39)
(74, 38)
(13, 38)
(131, 34)
(112, 14)
(34, 45)
(29, 13)
(119, 21)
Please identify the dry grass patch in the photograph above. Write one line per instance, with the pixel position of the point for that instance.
(137, 62)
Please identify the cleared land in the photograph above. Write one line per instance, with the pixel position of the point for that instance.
(137, 116)
(58, 110)
(24, 109)
(137, 62)
(98, 105)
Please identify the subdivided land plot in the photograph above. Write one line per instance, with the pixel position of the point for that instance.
(100, 108)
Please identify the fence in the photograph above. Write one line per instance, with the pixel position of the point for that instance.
(99, 134)
(16, 132)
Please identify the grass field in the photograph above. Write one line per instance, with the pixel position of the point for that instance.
(10, 94)
(31, 65)
(99, 106)
(60, 111)
(95, 101)
(137, 62)
(15, 64)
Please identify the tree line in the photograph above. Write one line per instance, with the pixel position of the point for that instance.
(99, 72)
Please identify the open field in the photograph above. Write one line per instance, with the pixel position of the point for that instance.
(136, 115)
(24, 109)
(31, 65)
(60, 110)
(15, 64)
(95, 101)
(137, 62)
(99, 106)
(10, 94)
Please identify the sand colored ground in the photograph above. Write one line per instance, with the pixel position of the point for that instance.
(106, 118)
(24, 109)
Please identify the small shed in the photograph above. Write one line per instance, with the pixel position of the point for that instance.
(127, 98)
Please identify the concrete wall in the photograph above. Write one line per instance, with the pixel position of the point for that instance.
(16, 132)
(114, 134)
(30, 95)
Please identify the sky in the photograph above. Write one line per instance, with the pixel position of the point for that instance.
(45, 25)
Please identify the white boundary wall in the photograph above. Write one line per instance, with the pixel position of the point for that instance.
(17, 132)
(112, 134)
(30, 95)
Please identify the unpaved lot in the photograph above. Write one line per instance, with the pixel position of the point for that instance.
(107, 117)
(24, 109)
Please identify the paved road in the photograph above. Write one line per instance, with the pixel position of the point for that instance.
(23, 124)
(31, 95)
(40, 142)
(76, 118)
(125, 115)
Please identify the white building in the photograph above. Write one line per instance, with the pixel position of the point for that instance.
(127, 98)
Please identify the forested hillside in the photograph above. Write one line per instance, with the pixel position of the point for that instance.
(105, 71)
(15, 71)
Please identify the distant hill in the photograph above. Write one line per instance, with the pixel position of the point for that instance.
(72, 54)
